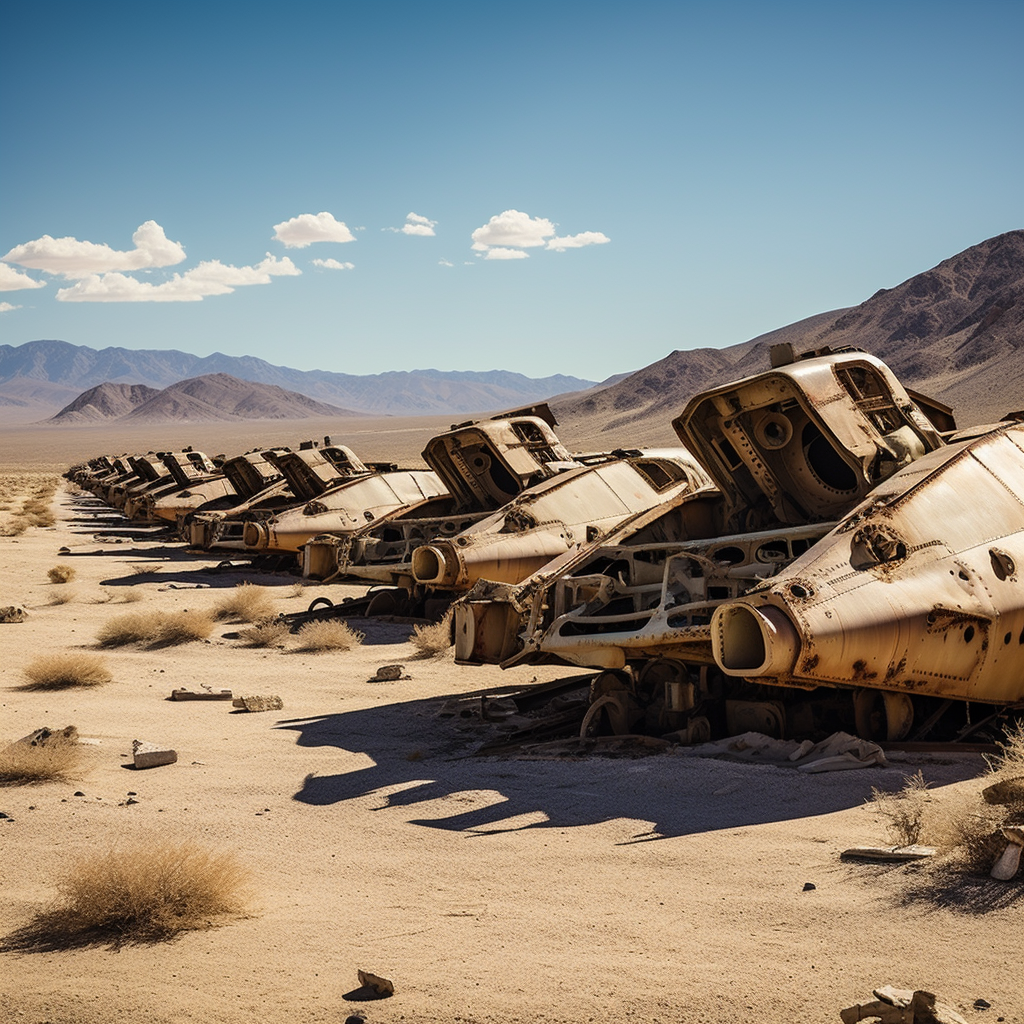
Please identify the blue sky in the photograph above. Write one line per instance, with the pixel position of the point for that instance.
(593, 184)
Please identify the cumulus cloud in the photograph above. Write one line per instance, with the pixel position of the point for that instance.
(577, 241)
(6, 307)
(417, 225)
(211, 277)
(333, 265)
(506, 254)
(512, 228)
(12, 280)
(76, 259)
(308, 228)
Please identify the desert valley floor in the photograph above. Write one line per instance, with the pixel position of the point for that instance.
(659, 888)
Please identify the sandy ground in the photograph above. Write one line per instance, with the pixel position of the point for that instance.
(660, 889)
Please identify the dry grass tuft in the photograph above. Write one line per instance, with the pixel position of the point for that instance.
(65, 671)
(61, 573)
(149, 892)
(61, 595)
(246, 603)
(155, 628)
(144, 570)
(297, 589)
(272, 633)
(329, 635)
(132, 628)
(434, 639)
(54, 757)
(903, 812)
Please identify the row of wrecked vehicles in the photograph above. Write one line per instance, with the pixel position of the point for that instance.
(824, 534)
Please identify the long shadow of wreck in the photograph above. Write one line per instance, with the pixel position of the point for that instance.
(423, 751)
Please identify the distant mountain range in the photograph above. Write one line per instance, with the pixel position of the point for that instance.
(955, 332)
(42, 376)
(212, 397)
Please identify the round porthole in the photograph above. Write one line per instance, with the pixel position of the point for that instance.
(773, 431)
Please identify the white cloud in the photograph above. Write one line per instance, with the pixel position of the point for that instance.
(333, 265)
(577, 241)
(506, 254)
(12, 280)
(308, 228)
(417, 225)
(75, 259)
(445, 263)
(211, 277)
(512, 228)
(6, 307)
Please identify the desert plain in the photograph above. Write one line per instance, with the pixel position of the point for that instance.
(659, 888)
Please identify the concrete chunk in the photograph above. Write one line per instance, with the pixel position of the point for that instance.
(259, 703)
(152, 755)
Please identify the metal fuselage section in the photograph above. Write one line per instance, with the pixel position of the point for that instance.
(258, 484)
(482, 466)
(556, 516)
(342, 509)
(792, 450)
(918, 591)
(196, 485)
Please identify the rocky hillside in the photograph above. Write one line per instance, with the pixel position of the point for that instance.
(106, 401)
(212, 397)
(955, 332)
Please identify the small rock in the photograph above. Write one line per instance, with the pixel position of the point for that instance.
(388, 674)
(381, 986)
(131, 800)
(78, 792)
(259, 703)
(808, 886)
(982, 1004)
(152, 755)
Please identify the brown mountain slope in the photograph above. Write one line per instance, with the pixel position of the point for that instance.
(955, 332)
(213, 397)
(105, 402)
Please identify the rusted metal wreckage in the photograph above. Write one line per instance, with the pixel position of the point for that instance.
(822, 532)
(843, 548)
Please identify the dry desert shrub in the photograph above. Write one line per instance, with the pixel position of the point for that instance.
(272, 633)
(65, 671)
(61, 595)
(55, 757)
(962, 827)
(144, 570)
(183, 627)
(246, 603)
(131, 628)
(1009, 762)
(297, 589)
(904, 812)
(148, 892)
(329, 635)
(433, 639)
(61, 573)
(155, 628)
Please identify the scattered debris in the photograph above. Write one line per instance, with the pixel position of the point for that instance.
(13, 613)
(183, 693)
(1006, 791)
(888, 853)
(259, 703)
(1009, 860)
(389, 674)
(901, 1006)
(151, 755)
(382, 986)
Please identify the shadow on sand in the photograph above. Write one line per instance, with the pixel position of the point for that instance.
(421, 755)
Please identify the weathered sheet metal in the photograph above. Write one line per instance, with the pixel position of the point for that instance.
(918, 590)
(561, 514)
(483, 465)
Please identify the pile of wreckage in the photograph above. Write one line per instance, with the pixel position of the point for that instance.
(823, 534)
